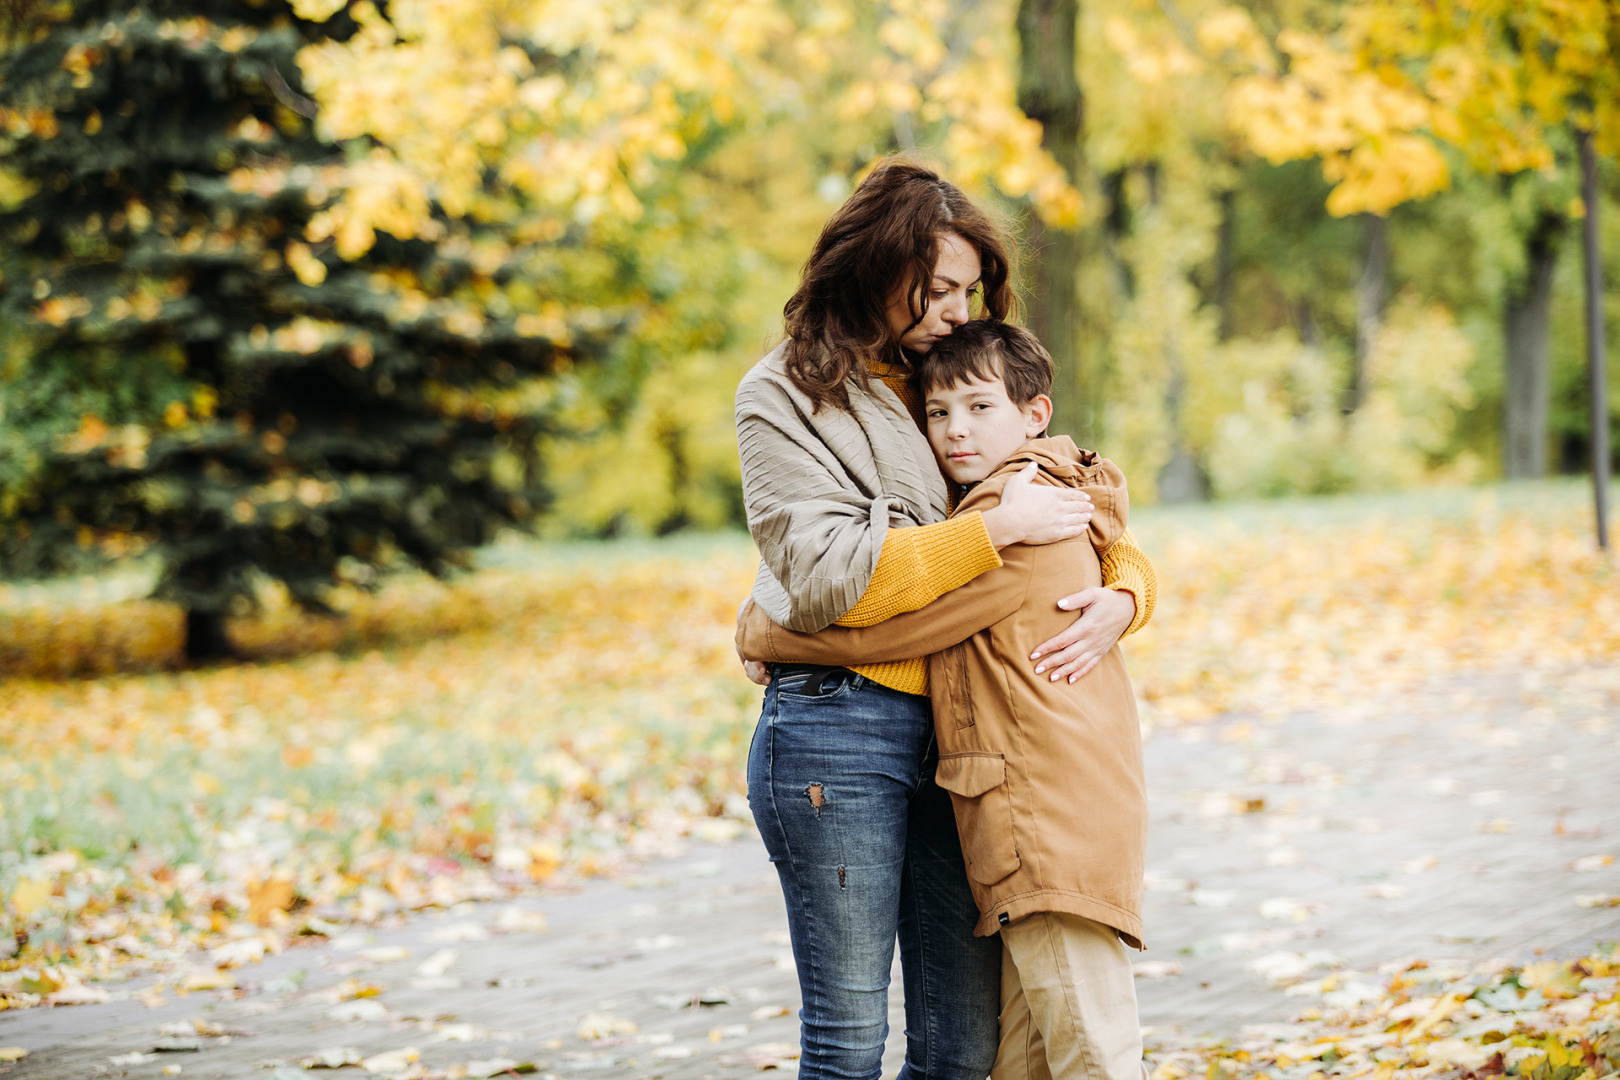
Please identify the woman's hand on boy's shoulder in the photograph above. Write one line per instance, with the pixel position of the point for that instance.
(1030, 513)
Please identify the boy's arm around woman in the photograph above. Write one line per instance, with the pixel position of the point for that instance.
(969, 608)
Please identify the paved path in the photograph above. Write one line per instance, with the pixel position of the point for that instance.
(1440, 823)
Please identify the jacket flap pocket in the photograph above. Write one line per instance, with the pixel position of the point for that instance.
(971, 775)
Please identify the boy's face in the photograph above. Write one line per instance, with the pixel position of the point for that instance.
(974, 427)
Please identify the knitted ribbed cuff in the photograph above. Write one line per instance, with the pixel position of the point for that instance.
(956, 551)
(1127, 568)
(919, 565)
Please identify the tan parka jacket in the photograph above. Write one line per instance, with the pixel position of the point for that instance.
(1046, 777)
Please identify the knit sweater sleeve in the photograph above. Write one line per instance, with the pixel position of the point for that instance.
(1127, 568)
(918, 566)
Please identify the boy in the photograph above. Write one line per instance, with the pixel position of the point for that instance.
(1046, 777)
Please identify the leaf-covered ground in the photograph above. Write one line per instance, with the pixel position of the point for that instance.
(1551, 1020)
(564, 711)
(552, 720)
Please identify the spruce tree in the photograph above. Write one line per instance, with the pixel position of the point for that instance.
(186, 373)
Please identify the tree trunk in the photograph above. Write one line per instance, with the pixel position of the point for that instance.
(1225, 239)
(1181, 478)
(1049, 92)
(1524, 323)
(1372, 293)
(206, 641)
(1596, 363)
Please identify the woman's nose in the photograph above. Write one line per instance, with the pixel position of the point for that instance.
(956, 311)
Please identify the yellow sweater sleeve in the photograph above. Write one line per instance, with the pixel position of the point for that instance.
(918, 566)
(1127, 568)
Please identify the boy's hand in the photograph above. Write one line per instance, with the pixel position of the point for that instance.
(1104, 615)
(756, 671)
(1029, 514)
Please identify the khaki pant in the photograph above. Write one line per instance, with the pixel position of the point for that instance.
(1068, 1002)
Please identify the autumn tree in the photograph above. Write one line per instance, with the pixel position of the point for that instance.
(706, 141)
(1049, 93)
(1497, 82)
(206, 364)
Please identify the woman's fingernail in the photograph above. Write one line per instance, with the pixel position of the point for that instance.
(1035, 655)
(1040, 669)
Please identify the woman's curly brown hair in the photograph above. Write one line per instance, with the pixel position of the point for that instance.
(884, 238)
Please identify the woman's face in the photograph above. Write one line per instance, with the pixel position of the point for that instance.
(950, 295)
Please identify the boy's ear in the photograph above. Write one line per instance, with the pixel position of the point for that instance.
(1039, 412)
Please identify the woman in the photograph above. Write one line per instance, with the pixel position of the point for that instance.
(848, 510)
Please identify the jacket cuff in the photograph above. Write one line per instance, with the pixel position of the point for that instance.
(753, 638)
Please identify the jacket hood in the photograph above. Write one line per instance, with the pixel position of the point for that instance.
(1058, 457)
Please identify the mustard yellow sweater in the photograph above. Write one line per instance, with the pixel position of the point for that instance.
(918, 566)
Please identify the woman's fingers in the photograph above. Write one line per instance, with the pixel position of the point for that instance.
(1058, 514)
(1104, 615)
(1068, 652)
(1074, 662)
(1019, 481)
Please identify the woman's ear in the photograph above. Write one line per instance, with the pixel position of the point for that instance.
(1038, 413)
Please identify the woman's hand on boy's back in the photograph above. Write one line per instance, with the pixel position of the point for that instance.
(1104, 615)
(1030, 513)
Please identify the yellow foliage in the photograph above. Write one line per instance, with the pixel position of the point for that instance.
(310, 270)
(14, 189)
(1489, 77)
(449, 100)
(1273, 413)
(673, 461)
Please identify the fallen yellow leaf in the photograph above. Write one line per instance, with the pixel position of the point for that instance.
(269, 897)
(29, 896)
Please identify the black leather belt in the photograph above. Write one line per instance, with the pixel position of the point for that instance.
(818, 674)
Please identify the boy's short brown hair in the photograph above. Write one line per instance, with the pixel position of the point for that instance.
(986, 349)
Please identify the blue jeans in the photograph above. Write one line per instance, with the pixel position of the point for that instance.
(841, 783)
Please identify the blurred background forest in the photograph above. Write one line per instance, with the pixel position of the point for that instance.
(298, 290)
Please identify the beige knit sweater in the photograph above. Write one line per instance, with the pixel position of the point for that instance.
(822, 489)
